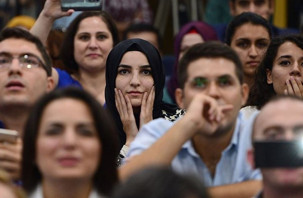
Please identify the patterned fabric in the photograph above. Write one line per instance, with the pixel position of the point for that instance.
(173, 117)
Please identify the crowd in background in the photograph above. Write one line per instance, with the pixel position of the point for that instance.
(101, 103)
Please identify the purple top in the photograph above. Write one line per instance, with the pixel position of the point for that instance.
(207, 33)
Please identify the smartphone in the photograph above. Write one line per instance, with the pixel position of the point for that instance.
(81, 5)
(7, 135)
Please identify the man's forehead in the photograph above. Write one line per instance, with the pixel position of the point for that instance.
(16, 46)
(211, 67)
(283, 111)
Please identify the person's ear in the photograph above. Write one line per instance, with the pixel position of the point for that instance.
(50, 84)
(250, 157)
(179, 97)
(269, 76)
(244, 92)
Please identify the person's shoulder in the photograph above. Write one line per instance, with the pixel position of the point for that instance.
(65, 79)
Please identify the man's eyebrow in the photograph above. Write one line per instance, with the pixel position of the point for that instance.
(267, 129)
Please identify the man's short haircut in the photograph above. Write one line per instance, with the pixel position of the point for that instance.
(245, 18)
(18, 33)
(143, 27)
(209, 49)
(160, 182)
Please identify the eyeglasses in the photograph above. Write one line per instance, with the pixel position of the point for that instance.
(26, 61)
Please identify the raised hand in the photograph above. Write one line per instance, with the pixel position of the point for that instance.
(52, 9)
(127, 117)
(147, 107)
(294, 87)
(205, 114)
(10, 158)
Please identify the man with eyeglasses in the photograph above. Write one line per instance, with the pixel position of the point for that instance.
(278, 147)
(208, 141)
(25, 75)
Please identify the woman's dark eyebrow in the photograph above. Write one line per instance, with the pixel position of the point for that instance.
(284, 56)
(145, 66)
(125, 66)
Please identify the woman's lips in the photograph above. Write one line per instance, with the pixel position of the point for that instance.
(134, 93)
(68, 161)
(253, 63)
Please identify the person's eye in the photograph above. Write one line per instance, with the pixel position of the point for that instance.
(30, 61)
(224, 81)
(200, 83)
(146, 72)
(4, 60)
(54, 130)
(262, 45)
(284, 63)
(259, 3)
(86, 131)
(101, 37)
(244, 3)
(84, 37)
(123, 71)
(243, 45)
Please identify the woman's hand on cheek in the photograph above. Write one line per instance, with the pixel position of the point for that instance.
(127, 117)
(147, 107)
(294, 87)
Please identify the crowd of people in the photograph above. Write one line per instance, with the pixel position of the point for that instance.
(101, 113)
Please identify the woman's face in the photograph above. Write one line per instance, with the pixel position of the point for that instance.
(68, 145)
(250, 43)
(287, 67)
(92, 44)
(134, 76)
(188, 41)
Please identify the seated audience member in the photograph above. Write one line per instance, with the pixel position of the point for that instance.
(249, 35)
(190, 34)
(134, 88)
(280, 71)
(7, 189)
(70, 147)
(126, 12)
(264, 8)
(87, 42)
(209, 140)
(278, 147)
(151, 34)
(160, 182)
(144, 31)
(25, 75)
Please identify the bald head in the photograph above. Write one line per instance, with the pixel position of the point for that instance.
(280, 119)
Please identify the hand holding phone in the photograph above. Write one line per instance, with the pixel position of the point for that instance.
(81, 5)
(7, 135)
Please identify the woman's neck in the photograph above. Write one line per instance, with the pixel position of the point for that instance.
(94, 83)
(63, 189)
